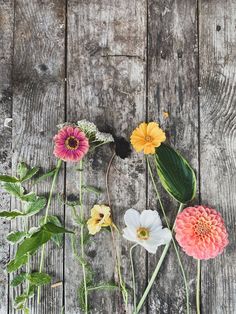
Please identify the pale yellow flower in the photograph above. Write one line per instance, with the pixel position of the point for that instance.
(100, 217)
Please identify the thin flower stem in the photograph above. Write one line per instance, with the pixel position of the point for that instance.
(116, 252)
(133, 275)
(174, 243)
(82, 237)
(156, 271)
(59, 163)
(198, 286)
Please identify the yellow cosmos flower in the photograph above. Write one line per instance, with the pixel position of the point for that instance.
(100, 217)
(146, 137)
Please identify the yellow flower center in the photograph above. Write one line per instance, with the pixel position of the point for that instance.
(72, 143)
(143, 233)
(202, 227)
(148, 138)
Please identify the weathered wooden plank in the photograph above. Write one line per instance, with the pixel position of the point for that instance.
(38, 106)
(218, 135)
(106, 84)
(6, 54)
(172, 88)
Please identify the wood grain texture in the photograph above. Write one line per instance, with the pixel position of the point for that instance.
(116, 53)
(218, 144)
(6, 54)
(106, 85)
(38, 106)
(172, 88)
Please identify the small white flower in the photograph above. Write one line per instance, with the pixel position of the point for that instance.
(104, 137)
(146, 229)
(87, 126)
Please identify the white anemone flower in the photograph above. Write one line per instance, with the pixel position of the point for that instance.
(146, 229)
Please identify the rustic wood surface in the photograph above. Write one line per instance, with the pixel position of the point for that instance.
(117, 63)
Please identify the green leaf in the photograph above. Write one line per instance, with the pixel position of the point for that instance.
(22, 170)
(15, 189)
(104, 286)
(30, 197)
(5, 178)
(92, 189)
(54, 229)
(176, 175)
(30, 245)
(56, 238)
(17, 280)
(16, 237)
(20, 300)
(16, 263)
(45, 176)
(39, 279)
(11, 215)
(35, 207)
(30, 174)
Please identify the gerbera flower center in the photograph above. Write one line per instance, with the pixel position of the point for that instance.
(72, 143)
(148, 138)
(202, 227)
(143, 233)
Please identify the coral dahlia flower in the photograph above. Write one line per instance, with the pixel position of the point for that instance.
(71, 144)
(201, 232)
(146, 137)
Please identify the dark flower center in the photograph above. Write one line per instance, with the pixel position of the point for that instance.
(143, 233)
(72, 143)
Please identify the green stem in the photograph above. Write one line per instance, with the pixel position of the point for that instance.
(82, 236)
(168, 245)
(59, 163)
(133, 275)
(198, 286)
(116, 251)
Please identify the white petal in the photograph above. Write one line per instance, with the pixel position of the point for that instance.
(160, 237)
(150, 219)
(129, 235)
(149, 247)
(132, 218)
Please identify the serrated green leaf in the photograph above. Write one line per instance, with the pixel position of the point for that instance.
(11, 215)
(16, 263)
(92, 189)
(20, 300)
(15, 189)
(30, 245)
(176, 175)
(18, 279)
(35, 207)
(39, 279)
(16, 236)
(56, 238)
(30, 174)
(30, 197)
(9, 179)
(54, 229)
(22, 170)
(104, 286)
(45, 176)
(26, 310)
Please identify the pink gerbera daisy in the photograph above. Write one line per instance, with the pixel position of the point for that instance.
(201, 232)
(71, 144)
